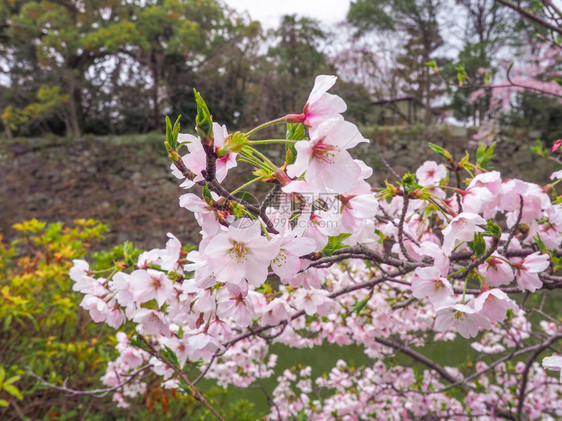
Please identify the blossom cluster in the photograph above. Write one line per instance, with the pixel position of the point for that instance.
(326, 258)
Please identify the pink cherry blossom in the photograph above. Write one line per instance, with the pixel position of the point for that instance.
(287, 263)
(491, 180)
(355, 208)
(96, 306)
(205, 214)
(553, 363)
(493, 304)
(527, 271)
(461, 318)
(311, 301)
(152, 322)
(149, 285)
(461, 228)
(496, 271)
(557, 175)
(479, 200)
(275, 312)
(238, 307)
(428, 282)
(241, 253)
(320, 105)
(196, 159)
(324, 160)
(430, 173)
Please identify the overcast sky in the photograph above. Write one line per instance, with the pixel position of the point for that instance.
(268, 12)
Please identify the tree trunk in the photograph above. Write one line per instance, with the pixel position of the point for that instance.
(155, 83)
(72, 123)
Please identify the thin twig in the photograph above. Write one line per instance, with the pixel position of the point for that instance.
(405, 202)
(97, 393)
(530, 16)
(512, 354)
(479, 261)
(418, 357)
(195, 393)
(525, 378)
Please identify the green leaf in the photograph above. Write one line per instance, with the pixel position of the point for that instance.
(441, 151)
(295, 131)
(175, 133)
(169, 131)
(409, 182)
(539, 149)
(234, 143)
(137, 342)
(432, 65)
(465, 162)
(540, 243)
(12, 379)
(335, 243)
(360, 305)
(478, 245)
(206, 193)
(4, 403)
(493, 229)
(462, 76)
(203, 119)
(12, 390)
(170, 355)
(484, 154)
(185, 387)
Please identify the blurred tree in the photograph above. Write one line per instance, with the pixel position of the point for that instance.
(488, 28)
(294, 58)
(416, 21)
(104, 55)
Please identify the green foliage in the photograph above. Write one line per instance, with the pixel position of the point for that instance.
(84, 49)
(42, 328)
(478, 245)
(335, 243)
(409, 183)
(172, 133)
(441, 151)
(484, 155)
(203, 119)
(49, 101)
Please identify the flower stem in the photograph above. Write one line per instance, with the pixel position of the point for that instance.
(268, 141)
(266, 161)
(264, 125)
(243, 186)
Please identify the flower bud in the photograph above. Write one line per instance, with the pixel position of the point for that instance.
(233, 143)
(203, 119)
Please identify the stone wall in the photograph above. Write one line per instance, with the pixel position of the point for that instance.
(404, 149)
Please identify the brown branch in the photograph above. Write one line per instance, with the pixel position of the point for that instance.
(530, 16)
(417, 356)
(401, 227)
(525, 377)
(363, 285)
(97, 393)
(482, 259)
(513, 354)
(195, 393)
